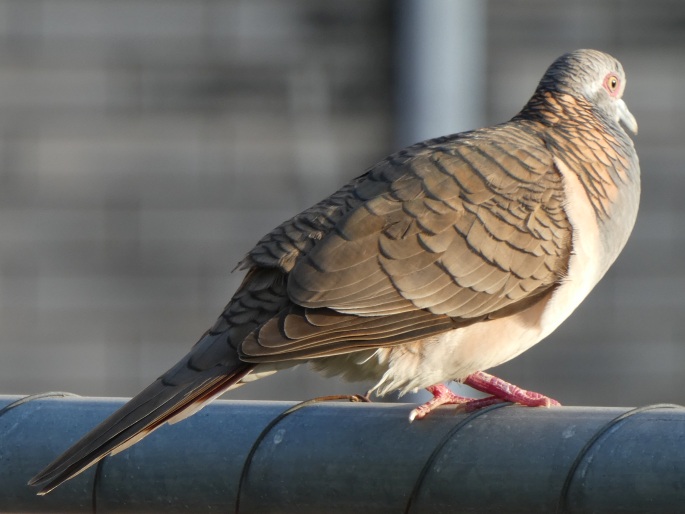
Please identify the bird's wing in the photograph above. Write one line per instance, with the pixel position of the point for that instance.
(438, 236)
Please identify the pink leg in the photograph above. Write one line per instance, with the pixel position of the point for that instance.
(441, 396)
(500, 390)
(505, 391)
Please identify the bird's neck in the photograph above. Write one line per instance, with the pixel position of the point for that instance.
(556, 109)
(603, 159)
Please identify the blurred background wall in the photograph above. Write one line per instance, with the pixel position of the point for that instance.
(145, 146)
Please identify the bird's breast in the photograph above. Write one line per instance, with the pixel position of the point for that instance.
(588, 260)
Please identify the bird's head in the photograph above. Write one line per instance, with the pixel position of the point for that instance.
(594, 76)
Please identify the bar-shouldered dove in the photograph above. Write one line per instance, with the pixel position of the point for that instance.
(445, 259)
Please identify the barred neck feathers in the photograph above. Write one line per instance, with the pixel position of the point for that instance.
(575, 136)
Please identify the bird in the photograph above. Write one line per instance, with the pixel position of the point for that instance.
(443, 260)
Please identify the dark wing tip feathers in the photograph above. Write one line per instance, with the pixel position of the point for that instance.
(150, 409)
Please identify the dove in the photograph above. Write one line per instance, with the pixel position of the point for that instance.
(443, 260)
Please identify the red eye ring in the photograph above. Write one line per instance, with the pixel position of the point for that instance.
(612, 84)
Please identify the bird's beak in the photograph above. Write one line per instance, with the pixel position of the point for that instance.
(626, 117)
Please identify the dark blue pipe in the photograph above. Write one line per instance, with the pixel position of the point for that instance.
(355, 458)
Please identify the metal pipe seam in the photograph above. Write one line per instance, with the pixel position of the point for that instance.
(343, 457)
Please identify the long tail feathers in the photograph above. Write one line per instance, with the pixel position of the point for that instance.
(159, 403)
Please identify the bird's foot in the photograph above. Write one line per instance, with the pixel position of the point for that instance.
(441, 396)
(502, 391)
(499, 390)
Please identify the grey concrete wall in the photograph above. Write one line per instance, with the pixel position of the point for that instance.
(144, 146)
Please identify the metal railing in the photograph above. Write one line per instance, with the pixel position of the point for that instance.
(250, 457)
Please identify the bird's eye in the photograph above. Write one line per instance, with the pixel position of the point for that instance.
(611, 84)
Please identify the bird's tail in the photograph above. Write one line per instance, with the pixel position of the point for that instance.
(180, 392)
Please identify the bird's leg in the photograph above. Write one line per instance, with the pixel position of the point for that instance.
(441, 396)
(504, 391)
(500, 390)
